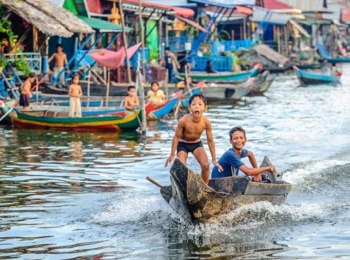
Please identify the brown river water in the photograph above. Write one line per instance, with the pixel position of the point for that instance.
(67, 195)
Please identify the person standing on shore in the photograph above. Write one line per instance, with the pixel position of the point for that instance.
(26, 94)
(169, 62)
(60, 61)
(75, 94)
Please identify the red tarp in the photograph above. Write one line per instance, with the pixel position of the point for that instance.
(112, 59)
(345, 15)
(193, 23)
(185, 12)
(275, 5)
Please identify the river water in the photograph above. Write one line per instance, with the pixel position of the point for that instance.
(72, 195)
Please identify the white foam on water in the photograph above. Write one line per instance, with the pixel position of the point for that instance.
(298, 175)
(255, 215)
(133, 207)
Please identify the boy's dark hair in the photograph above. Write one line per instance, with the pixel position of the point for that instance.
(75, 75)
(167, 49)
(31, 75)
(59, 45)
(155, 82)
(235, 129)
(131, 87)
(199, 96)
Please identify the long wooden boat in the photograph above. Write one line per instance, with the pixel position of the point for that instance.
(307, 78)
(157, 112)
(222, 76)
(48, 120)
(226, 92)
(261, 84)
(191, 198)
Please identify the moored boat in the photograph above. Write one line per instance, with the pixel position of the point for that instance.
(157, 112)
(56, 120)
(233, 77)
(261, 84)
(196, 202)
(226, 92)
(307, 78)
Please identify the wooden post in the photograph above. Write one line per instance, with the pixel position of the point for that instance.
(35, 39)
(142, 29)
(108, 85)
(142, 94)
(125, 40)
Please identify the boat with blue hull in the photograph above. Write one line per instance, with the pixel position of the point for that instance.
(308, 78)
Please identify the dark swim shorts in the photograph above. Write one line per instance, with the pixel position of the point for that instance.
(23, 100)
(188, 147)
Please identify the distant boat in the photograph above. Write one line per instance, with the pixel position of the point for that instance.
(222, 76)
(307, 78)
(192, 199)
(261, 84)
(226, 92)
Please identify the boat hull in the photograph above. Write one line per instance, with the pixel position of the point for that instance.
(86, 124)
(307, 78)
(226, 92)
(190, 197)
(224, 76)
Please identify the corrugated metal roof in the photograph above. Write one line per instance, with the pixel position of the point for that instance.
(306, 5)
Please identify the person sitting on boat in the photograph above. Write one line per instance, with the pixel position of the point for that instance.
(26, 92)
(169, 61)
(131, 101)
(208, 68)
(231, 160)
(187, 137)
(155, 95)
(188, 79)
(335, 71)
(75, 94)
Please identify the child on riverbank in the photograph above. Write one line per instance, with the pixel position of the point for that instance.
(26, 94)
(231, 160)
(75, 94)
(131, 101)
(187, 137)
(155, 95)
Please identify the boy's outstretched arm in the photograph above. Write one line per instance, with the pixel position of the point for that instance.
(177, 136)
(211, 145)
(252, 159)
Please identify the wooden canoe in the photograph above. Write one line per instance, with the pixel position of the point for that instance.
(261, 84)
(226, 92)
(49, 120)
(307, 78)
(157, 112)
(191, 198)
(222, 76)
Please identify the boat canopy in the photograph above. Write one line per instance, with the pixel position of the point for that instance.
(179, 11)
(101, 25)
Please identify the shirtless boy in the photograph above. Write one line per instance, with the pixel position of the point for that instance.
(25, 91)
(60, 61)
(231, 160)
(75, 94)
(187, 137)
(131, 101)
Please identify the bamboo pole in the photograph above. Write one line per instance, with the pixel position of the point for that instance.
(125, 41)
(142, 40)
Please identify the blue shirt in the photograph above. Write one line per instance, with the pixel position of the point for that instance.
(229, 159)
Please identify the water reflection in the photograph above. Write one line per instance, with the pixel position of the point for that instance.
(69, 195)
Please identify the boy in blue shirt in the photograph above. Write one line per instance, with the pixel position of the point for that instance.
(231, 160)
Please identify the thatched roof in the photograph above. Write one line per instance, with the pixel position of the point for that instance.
(48, 17)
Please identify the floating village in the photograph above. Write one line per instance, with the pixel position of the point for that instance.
(73, 70)
(222, 49)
